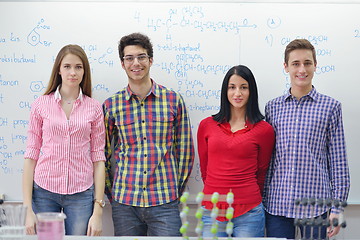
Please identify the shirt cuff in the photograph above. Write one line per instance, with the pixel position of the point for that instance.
(32, 153)
(337, 210)
(97, 156)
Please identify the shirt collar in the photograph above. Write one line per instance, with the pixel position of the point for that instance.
(313, 94)
(155, 90)
(57, 95)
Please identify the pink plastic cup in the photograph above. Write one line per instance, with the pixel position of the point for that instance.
(50, 225)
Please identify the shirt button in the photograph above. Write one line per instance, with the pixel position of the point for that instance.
(145, 172)
(144, 188)
(143, 121)
(144, 138)
(142, 104)
(145, 155)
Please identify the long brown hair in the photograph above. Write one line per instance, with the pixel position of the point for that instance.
(55, 78)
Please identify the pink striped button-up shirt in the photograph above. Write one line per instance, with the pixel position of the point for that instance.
(65, 150)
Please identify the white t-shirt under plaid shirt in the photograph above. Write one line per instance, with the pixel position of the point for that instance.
(309, 159)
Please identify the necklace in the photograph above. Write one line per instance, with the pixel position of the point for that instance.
(69, 101)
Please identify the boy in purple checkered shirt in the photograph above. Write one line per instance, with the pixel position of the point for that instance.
(309, 159)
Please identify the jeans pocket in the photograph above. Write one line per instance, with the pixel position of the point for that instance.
(173, 204)
(258, 209)
(88, 193)
(92, 188)
(35, 186)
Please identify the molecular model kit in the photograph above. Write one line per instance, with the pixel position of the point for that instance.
(305, 226)
(214, 198)
(317, 223)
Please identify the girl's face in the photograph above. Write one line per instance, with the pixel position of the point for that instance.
(71, 71)
(238, 92)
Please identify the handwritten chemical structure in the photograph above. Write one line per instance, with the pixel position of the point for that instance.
(36, 86)
(103, 58)
(192, 18)
(207, 25)
(34, 37)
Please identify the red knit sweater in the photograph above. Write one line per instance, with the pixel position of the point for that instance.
(235, 160)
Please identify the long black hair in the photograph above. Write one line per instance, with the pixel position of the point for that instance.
(253, 113)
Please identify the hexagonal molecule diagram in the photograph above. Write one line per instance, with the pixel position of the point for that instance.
(33, 38)
(36, 86)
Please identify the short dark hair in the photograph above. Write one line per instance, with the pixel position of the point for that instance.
(299, 44)
(135, 39)
(253, 113)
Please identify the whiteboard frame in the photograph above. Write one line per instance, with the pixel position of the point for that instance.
(207, 1)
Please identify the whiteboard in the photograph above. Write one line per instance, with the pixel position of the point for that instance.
(194, 46)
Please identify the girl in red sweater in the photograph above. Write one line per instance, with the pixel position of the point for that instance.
(235, 147)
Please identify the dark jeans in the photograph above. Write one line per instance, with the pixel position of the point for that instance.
(162, 220)
(283, 227)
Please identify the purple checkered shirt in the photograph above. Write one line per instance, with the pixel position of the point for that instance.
(309, 159)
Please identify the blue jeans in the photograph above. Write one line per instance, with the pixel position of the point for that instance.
(77, 207)
(250, 224)
(283, 227)
(162, 220)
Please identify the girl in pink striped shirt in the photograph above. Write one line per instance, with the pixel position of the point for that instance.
(64, 160)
